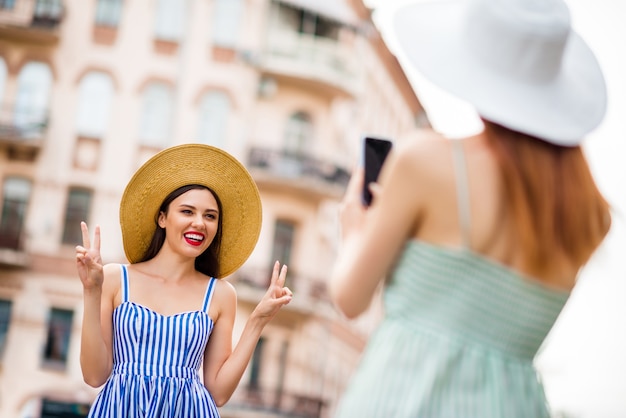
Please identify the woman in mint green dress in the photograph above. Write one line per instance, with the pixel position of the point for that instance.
(480, 239)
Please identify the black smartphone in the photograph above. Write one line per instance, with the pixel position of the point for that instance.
(375, 151)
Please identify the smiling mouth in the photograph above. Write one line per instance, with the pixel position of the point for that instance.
(194, 239)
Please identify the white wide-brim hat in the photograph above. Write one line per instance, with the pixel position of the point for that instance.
(518, 62)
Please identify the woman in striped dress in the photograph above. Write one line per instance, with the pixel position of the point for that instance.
(481, 239)
(189, 216)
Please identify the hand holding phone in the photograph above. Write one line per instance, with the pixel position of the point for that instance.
(375, 151)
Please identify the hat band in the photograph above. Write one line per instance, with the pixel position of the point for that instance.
(525, 42)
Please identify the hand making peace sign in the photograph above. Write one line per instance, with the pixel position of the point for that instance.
(88, 260)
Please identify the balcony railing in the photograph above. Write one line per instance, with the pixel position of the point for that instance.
(252, 282)
(35, 20)
(22, 132)
(325, 62)
(308, 171)
(275, 402)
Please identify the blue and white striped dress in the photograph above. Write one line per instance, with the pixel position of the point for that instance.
(156, 362)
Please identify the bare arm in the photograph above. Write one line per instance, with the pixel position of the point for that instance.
(372, 238)
(223, 367)
(96, 358)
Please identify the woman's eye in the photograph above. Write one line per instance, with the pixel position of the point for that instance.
(186, 211)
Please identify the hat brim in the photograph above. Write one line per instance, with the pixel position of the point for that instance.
(561, 111)
(193, 164)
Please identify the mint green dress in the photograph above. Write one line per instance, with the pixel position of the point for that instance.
(458, 338)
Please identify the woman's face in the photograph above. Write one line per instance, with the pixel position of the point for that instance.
(191, 222)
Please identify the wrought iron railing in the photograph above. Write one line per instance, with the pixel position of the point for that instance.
(289, 165)
(45, 14)
(18, 124)
(277, 402)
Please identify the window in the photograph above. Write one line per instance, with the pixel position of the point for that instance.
(33, 96)
(5, 320)
(58, 339)
(156, 114)
(108, 12)
(307, 23)
(7, 4)
(3, 77)
(77, 210)
(255, 364)
(170, 20)
(48, 9)
(298, 133)
(284, 233)
(213, 118)
(15, 196)
(95, 94)
(58, 409)
(226, 22)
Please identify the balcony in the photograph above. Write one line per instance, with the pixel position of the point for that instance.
(12, 254)
(22, 133)
(323, 64)
(31, 21)
(310, 296)
(297, 173)
(250, 402)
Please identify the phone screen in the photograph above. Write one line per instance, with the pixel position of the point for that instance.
(375, 150)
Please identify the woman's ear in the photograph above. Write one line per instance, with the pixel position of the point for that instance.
(161, 220)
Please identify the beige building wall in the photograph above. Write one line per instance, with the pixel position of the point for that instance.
(321, 60)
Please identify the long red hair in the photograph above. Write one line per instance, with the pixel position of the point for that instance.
(555, 205)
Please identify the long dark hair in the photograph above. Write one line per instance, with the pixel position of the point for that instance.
(207, 262)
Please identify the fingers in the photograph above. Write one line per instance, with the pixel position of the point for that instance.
(96, 238)
(278, 275)
(356, 182)
(85, 232)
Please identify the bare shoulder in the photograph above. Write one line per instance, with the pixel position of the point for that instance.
(423, 154)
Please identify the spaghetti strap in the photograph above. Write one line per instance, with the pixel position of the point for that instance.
(124, 282)
(462, 191)
(209, 294)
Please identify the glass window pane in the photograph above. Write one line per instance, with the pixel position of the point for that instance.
(94, 104)
(15, 197)
(298, 133)
(226, 25)
(77, 210)
(156, 115)
(213, 118)
(33, 96)
(170, 20)
(59, 332)
(108, 12)
(5, 320)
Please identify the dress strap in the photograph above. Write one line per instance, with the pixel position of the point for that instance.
(124, 282)
(208, 295)
(462, 190)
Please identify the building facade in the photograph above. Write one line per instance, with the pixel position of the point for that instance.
(90, 89)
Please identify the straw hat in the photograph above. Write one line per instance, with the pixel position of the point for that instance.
(518, 62)
(193, 164)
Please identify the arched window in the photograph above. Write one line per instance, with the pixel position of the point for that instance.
(226, 25)
(298, 133)
(33, 97)
(170, 20)
(213, 116)
(156, 115)
(95, 93)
